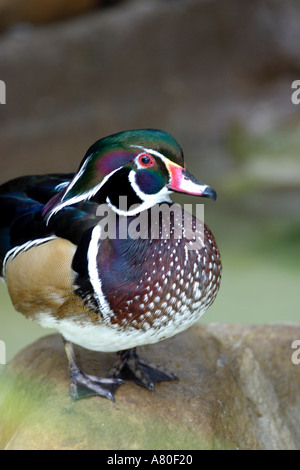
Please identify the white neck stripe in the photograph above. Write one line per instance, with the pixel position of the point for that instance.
(94, 272)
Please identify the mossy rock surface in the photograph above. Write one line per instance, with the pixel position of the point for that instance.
(238, 389)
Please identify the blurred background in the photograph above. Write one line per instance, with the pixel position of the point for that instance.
(216, 75)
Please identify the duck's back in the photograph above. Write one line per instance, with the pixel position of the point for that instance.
(22, 221)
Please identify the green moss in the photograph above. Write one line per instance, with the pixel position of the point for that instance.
(20, 396)
(50, 419)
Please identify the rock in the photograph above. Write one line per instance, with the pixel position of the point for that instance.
(238, 389)
(32, 11)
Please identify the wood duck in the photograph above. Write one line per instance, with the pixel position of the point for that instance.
(110, 290)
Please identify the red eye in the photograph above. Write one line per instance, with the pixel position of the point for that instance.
(146, 160)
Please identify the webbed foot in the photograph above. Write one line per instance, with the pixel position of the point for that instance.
(131, 367)
(84, 385)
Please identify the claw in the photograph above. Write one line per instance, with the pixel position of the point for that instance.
(84, 385)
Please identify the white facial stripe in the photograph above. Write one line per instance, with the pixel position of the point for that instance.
(149, 200)
(135, 187)
(76, 177)
(62, 186)
(94, 273)
(151, 151)
(155, 153)
(11, 254)
(82, 197)
(152, 199)
(73, 200)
